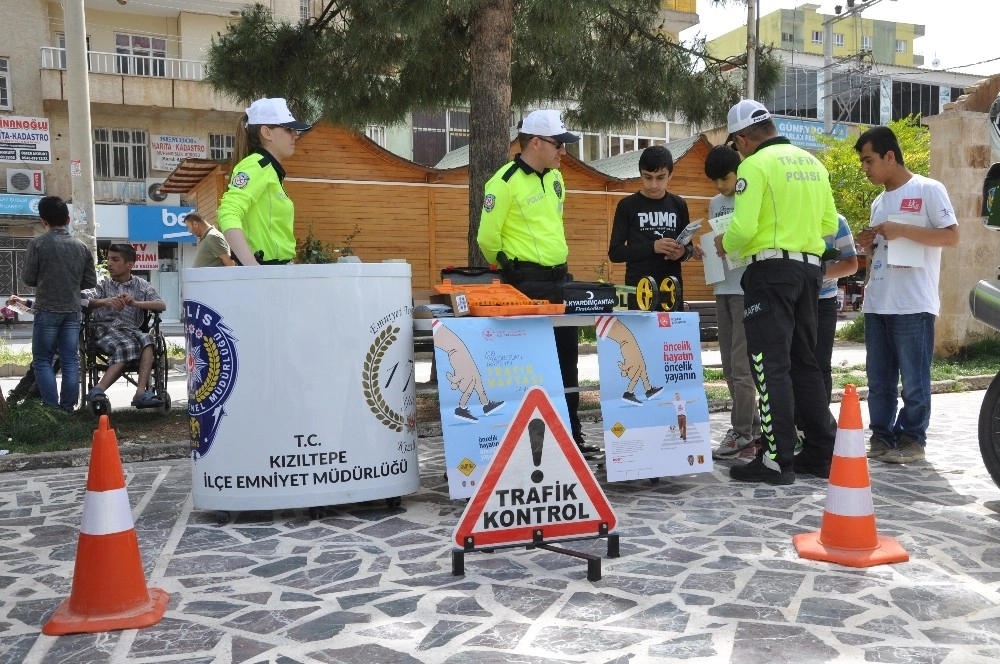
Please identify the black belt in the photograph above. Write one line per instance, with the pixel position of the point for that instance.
(517, 270)
(275, 262)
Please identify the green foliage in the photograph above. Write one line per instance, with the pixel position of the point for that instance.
(373, 61)
(853, 331)
(33, 428)
(9, 355)
(852, 191)
(588, 335)
(312, 250)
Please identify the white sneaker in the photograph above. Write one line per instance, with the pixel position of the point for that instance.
(731, 445)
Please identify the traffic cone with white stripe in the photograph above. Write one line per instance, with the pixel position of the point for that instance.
(847, 535)
(109, 588)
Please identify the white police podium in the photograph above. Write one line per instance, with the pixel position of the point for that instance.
(301, 385)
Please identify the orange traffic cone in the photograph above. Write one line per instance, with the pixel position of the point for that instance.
(109, 587)
(847, 535)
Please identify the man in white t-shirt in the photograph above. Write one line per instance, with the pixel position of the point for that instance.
(910, 221)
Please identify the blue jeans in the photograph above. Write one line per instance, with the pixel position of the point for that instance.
(54, 331)
(899, 346)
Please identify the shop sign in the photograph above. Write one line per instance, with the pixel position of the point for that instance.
(158, 224)
(169, 151)
(25, 140)
(19, 205)
(147, 256)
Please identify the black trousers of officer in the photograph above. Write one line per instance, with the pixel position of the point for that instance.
(780, 318)
(567, 339)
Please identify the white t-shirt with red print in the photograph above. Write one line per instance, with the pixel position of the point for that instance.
(894, 289)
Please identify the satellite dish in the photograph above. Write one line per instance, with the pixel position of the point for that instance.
(154, 193)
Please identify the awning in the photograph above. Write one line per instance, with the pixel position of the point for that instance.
(188, 174)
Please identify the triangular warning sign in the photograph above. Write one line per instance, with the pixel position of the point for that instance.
(537, 482)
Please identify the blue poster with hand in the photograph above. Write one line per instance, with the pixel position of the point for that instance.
(484, 367)
(652, 395)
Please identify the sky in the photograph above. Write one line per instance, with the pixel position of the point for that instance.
(957, 32)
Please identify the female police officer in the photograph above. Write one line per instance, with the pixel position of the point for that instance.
(256, 214)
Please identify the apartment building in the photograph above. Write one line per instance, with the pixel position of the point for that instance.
(149, 109)
(876, 75)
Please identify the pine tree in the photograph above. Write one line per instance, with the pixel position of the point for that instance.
(366, 62)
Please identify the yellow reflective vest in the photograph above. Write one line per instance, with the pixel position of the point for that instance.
(256, 203)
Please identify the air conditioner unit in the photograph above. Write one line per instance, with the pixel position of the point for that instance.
(155, 197)
(21, 181)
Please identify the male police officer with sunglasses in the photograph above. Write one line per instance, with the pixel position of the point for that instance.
(521, 229)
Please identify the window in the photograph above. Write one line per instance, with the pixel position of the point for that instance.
(436, 133)
(866, 42)
(303, 10)
(220, 146)
(13, 252)
(61, 44)
(787, 37)
(120, 154)
(900, 46)
(5, 84)
(796, 95)
(376, 133)
(923, 98)
(838, 39)
(140, 55)
(856, 98)
(817, 36)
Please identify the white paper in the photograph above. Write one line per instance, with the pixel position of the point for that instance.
(685, 236)
(904, 251)
(714, 269)
(720, 225)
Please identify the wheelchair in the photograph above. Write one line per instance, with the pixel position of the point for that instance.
(94, 362)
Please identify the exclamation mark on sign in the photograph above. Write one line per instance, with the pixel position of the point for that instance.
(536, 434)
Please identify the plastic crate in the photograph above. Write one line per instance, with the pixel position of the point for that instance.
(497, 299)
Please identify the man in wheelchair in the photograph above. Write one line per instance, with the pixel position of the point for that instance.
(120, 303)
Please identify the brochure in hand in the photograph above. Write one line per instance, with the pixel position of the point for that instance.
(686, 235)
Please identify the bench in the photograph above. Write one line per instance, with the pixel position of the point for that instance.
(708, 320)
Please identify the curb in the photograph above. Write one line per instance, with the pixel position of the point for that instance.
(132, 452)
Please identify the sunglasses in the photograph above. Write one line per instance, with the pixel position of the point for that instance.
(558, 145)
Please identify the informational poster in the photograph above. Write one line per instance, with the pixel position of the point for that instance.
(652, 395)
(169, 151)
(484, 368)
(26, 140)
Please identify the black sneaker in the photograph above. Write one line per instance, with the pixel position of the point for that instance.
(491, 406)
(756, 471)
(585, 449)
(806, 464)
(464, 414)
(652, 392)
(629, 397)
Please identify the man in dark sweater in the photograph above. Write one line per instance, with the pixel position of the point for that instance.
(59, 266)
(646, 226)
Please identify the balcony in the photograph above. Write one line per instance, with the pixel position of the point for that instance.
(164, 86)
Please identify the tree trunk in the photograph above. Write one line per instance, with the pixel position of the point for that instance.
(489, 124)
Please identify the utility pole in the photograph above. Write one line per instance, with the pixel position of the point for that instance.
(81, 165)
(752, 49)
(841, 13)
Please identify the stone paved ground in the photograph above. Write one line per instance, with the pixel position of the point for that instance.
(708, 573)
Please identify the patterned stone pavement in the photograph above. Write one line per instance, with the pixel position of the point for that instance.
(708, 573)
